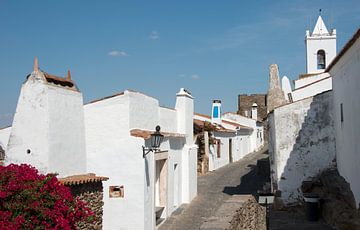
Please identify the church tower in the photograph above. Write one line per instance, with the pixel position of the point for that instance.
(320, 47)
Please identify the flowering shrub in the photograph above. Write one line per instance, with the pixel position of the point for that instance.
(29, 200)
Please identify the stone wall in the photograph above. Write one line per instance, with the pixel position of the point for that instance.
(92, 194)
(246, 101)
(275, 94)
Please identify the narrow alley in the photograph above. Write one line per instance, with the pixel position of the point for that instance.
(215, 189)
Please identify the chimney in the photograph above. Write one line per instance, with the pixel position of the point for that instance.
(216, 112)
(254, 108)
(185, 112)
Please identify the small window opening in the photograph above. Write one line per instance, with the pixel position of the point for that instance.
(290, 98)
(28, 151)
(116, 191)
(321, 59)
(218, 148)
(341, 113)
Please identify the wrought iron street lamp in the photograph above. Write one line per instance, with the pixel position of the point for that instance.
(155, 140)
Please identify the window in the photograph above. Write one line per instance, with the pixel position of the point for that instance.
(290, 98)
(321, 59)
(116, 191)
(341, 113)
(216, 112)
(218, 148)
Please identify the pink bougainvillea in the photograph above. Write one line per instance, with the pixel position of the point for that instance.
(30, 200)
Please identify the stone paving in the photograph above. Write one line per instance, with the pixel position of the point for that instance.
(214, 190)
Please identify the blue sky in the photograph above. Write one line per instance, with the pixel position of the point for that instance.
(215, 49)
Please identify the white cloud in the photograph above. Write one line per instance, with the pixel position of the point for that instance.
(195, 77)
(117, 53)
(154, 35)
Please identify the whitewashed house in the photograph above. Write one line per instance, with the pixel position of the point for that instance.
(151, 186)
(53, 131)
(227, 137)
(345, 73)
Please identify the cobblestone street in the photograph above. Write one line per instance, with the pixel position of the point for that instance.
(216, 189)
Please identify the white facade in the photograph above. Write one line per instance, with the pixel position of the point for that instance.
(236, 137)
(346, 88)
(48, 127)
(319, 42)
(166, 179)
(301, 143)
(311, 86)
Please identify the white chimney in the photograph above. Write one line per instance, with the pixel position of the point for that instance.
(254, 111)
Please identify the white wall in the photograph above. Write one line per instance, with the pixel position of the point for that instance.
(346, 87)
(4, 137)
(316, 43)
(114, 153)
(54, 115)
(216, 162)
(302, 143)
(298, 83)
(312, 89)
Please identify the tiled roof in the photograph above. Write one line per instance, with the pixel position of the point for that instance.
(220, 127)
(82, 179)
(200, 124)
(64, 82)
(118, 94)
(146, 133)
(107, 97)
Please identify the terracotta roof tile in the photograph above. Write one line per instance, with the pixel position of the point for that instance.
(146, 133)
(82, 179)
(64, 82)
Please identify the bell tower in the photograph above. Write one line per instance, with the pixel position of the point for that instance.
(320, 47)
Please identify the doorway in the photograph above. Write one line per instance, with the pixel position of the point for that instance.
(160, 189)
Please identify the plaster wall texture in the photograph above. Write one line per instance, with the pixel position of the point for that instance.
(184, 107)
(312, 89)
(217, 162)
(116, 154)
(313, 45)
(302, 143)
(143, 111)
(55, 116)
(286, 87)
(4, 137)
(168, 119)
(308, 80)
(346, 88)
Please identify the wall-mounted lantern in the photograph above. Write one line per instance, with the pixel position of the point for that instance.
(155, 140)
